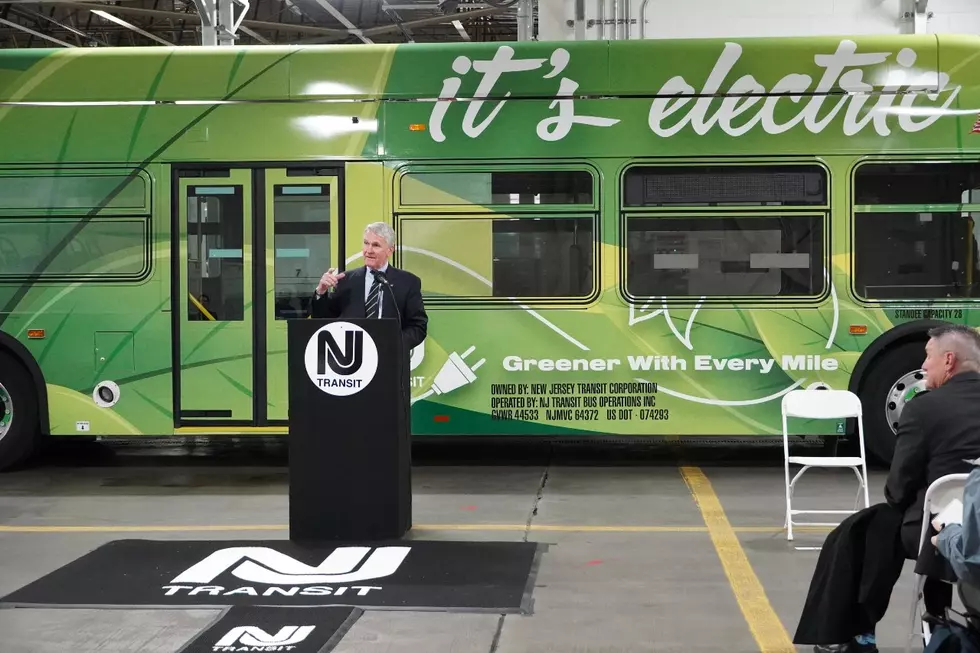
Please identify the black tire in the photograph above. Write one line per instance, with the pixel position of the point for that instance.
(886, 369)
(19, 442)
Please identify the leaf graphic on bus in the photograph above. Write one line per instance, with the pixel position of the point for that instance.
(69, 405)
(796, 337)
(647, 311)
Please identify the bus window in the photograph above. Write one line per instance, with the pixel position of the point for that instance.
(724, 230)
(917, 183)
(215, 258)
(542, 257)
(498, 187)
(915, 230)
(523, 257)
(725, 186)
(74, 225)
(72, 191)
(916, 255)
(725, 256)
(301, 220)
(95, 249)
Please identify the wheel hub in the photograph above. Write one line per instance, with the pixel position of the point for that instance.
(6, 411)
(903, 390)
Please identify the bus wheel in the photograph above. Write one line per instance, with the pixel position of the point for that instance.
(18, 413)
(893, 381)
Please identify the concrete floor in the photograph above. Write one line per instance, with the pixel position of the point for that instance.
(642, 557)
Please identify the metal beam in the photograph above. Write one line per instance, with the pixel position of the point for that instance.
(209, 21)
(407, 33)
(336, 13)
(525, 20)
(130, 26)
(195, 17)
(68, 28)
(462, 30)
(436, 20)
(412, 24)
(258, 37)
(325, 34)
(22, 28)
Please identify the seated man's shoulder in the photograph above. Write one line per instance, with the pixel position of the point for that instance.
(922, 403)
(928, 405)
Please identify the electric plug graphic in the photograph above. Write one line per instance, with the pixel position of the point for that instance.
(456, 373)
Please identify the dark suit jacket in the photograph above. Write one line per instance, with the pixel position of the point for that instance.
(859, 564)
(347, 300)
(937, 431)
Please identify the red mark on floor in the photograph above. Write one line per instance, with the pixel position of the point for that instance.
(469, 507)
(592, 563)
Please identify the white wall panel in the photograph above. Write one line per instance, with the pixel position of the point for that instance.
(746, 18)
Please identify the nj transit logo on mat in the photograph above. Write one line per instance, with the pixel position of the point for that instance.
(253, 638)
(341, 359)
(283, 575)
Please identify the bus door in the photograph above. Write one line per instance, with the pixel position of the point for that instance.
(301, 214)
(253, 244)
(214, 298)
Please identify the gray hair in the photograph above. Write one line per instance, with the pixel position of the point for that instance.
(963, 341)
(383, 230)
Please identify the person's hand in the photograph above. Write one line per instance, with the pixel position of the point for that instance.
(329, 281)
(938, 525)
(935, 541)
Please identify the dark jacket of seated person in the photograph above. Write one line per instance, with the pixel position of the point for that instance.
(862, 558)
(938, 433)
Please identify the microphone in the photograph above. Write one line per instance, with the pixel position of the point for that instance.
(380, 276)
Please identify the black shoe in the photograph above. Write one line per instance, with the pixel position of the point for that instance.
(849, 647)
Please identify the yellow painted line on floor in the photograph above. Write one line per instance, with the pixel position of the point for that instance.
(768, 630)
(559, 528)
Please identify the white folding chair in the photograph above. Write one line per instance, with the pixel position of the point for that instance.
(822, 404)
(938, 495)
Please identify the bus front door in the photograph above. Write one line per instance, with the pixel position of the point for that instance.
(253, 244)
(301, 211)
(213, 288)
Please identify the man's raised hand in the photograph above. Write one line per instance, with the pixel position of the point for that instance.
(329, 281)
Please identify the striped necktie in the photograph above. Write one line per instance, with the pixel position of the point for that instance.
(373, 302)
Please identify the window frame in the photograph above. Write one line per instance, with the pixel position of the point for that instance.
(142, 215)
(823, 211)
(854, 209)
(405, 212)
(707, 216)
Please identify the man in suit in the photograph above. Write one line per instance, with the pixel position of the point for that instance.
(376, 290)
(863, 557)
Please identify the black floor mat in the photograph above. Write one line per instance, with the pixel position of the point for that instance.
(298, 630)
(408, 575)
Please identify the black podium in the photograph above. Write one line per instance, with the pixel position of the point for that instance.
(349, 446)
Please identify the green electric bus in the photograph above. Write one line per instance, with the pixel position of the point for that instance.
(615, 239)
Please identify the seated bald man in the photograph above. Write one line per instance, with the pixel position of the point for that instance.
(862, 559)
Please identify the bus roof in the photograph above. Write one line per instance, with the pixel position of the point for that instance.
(520, 100)
(527, 69)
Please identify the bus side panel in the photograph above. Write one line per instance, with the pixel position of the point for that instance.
(99, 313)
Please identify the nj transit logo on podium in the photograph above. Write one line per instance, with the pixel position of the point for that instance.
(341, 359)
